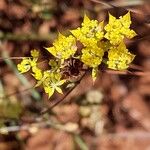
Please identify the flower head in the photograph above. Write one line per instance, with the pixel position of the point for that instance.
(117, 29)
(51, 81)
(63, 47)
(34, 53)
(119, 58)
(37, 73)
(92, 56)
(28, 63)
(24, 66)
(90, 32)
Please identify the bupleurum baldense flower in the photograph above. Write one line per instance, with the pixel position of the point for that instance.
(51, 81)
(90, 33)
(119, 57)
(29, 62)
(97, 40)
(64, 47)
(117, 29)
(92, 56)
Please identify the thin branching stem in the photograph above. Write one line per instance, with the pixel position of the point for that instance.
(135, 73)
(115, 4)
(13, 58)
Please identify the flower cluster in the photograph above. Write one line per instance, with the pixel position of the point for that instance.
(117, 29)
(51, 81)
(100, 44)
(64, 47)
(119, 57)
(31, 63)
(90, 33)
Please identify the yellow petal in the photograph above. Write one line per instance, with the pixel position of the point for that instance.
(60, 35)
(49, 91)
(127, 17)
(61, 82)
(101, 24)
(59, 90)
(34, 53)
(86, 19)
(51, 50)
(111, 18)
(94, 74)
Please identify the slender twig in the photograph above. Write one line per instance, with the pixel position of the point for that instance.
(147, 37)
(18, 58)
(123, 5)
(62, 127)
(136, 67)
(13, 58)
(136, 73)
(114, 4)
(63, 98)
(136, 134)
(35, 126)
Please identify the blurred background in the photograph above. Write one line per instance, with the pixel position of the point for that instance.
(112, 114)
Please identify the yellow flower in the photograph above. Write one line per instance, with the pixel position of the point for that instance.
(51, 81)
(37, 73)
(117, 29)
(119, 58)
(92, 56)
(24, 66)
(34, 53)
(63, 47)
(90, 33)
(28, 63)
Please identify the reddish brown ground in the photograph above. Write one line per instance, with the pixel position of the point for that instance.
(120, 120)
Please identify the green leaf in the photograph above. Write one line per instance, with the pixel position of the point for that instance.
(81, 143)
